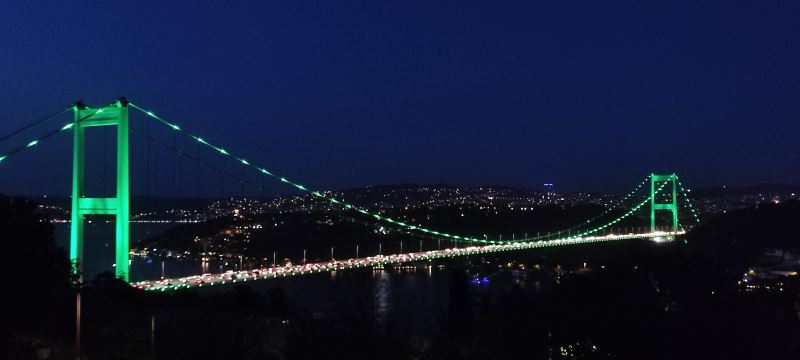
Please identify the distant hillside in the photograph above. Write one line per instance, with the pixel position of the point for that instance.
(138, 203)
(740, 235)
(390, 187)
(415, 192)
(745, 190)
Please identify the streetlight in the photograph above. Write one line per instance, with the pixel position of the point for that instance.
(79, 266)
(78, 323)
(153, 335)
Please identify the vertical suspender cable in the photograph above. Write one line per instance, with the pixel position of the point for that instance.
(174, 165)
(105, 161)
(200, 179)
(241, 183)
(147, 162)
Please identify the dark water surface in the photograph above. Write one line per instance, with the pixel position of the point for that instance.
(409, 297)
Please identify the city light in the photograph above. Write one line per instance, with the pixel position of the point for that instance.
(373, 261)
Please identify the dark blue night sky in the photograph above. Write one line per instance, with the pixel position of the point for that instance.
(589, 95)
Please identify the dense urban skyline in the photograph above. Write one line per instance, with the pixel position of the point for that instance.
(351, 94)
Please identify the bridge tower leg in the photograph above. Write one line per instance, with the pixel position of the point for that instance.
(671, 206)
(119, 205)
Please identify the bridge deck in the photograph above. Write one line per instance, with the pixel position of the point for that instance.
(232, 277)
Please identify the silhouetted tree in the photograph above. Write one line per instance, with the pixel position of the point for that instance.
(37, 283)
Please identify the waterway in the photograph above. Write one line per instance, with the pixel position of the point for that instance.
(411, 297)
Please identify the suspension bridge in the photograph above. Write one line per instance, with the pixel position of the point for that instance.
(665, 191)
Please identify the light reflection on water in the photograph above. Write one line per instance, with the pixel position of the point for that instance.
(411, 297)
(382, 291)
(99, 253)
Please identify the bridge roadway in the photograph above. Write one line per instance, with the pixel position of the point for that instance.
(232, 277)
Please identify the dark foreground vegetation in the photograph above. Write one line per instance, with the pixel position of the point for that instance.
(648, 301)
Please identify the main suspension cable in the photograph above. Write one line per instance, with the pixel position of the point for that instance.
(347, 205)
(37, 122)
(183, 154)
(46, 136)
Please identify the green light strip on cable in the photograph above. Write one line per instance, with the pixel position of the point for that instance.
(318, 194)
(35, 123)
(349, 206)
(556, 234)
(426, 231)
(688, 200)
(629, 213)
(35, 141)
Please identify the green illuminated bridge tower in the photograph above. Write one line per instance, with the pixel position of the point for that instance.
(601, 228)
(119, 205)
(671, 206)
